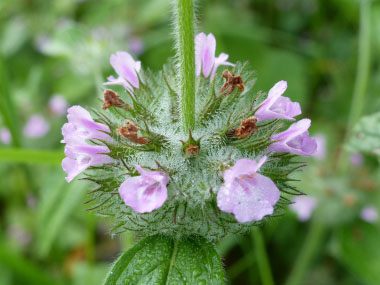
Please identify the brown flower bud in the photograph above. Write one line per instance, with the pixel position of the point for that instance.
(130, 132)
(113, 99)
(192, 150)
(231, 83)
(246, 128)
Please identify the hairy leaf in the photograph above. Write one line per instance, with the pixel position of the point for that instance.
(162, 260)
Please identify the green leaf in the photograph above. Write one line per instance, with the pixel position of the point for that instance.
(366, 135)
(358, 248)
(25, 269)
(163, 260)
(59, 200)
(47, 157)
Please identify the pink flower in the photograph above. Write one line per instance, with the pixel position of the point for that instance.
(136, 45)
(356, 159)
(127, 68)
(5, 136)
(82, 127)
(79, 153)
(146, 192)
(369, 214)
(205, 59)
(80, 157)
(303, 206)
(36, 127)
(295, 140)
(245, 193)
(277, 106)
(320, 154)
(58, 105)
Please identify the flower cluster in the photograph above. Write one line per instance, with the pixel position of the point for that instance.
(235, 160)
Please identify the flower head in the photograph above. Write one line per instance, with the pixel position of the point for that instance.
(303, 206)
(5, 136)
(248, 195)
(277, 106)
(205, 60)
(36, 127)
(369, 214)
(58, 105)
(295, 140)
(79, 153)
(146, 192)
(127, 68)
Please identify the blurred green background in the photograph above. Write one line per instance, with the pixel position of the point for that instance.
(327, 50)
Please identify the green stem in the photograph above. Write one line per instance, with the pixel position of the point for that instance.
(34, 156)
(362, 74)
(7, 110)
(186, 60)
(363, 67)
(307, 252)
(262, 257)
(317, 230)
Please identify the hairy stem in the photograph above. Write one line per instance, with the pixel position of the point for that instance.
(262, 257)
(186, 60)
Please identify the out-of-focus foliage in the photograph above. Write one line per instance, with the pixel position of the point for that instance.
(63, 47)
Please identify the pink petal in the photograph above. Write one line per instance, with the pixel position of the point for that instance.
(144, 193)
(125, 66)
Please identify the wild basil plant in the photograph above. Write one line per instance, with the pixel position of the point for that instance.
(185, 156)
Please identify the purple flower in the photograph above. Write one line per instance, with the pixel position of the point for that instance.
(245, 193)
(5, 136)
(295, 140)
(146, 192)
(127, 68)
(58, 105)
(136, 45)
(320, 154)
(369, 214)
(303, 206)
(79, 153)
(205, 59)
(277, 106)
(80, 157)
(36, 127)
(356, 159)
(82, 127)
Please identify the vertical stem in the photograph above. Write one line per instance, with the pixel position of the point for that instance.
(7, 110)
(362, 75)
(262, 257)
(307, 252)
(317, 230)
(363, 67)
(186, 60)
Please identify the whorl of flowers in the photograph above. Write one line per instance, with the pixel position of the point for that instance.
(230, 171)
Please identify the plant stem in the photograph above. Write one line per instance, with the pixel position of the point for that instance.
(262, 257)
(7, 110)
(362, 75)
(317, 229)
(186, 60)
(363, 67)
(307, 252)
